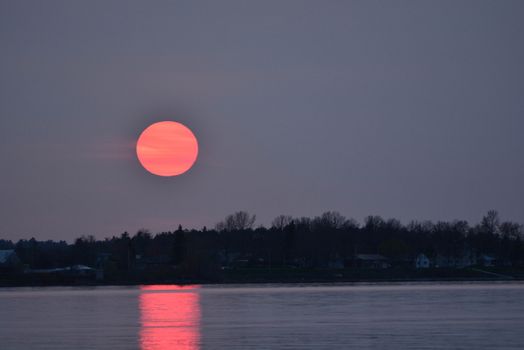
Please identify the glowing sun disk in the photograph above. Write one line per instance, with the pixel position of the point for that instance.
(167, 148)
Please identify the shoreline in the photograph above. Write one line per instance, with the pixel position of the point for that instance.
(283, 276)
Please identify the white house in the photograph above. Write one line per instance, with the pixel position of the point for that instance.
(9, 261)
(372, 261)
(8, 258)
(422, 261)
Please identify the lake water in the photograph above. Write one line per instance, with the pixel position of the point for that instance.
(357, 316)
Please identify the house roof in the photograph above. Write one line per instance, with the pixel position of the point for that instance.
(5, 254)
(371, 257)
(81, 267)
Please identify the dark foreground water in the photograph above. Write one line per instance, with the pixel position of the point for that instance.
(366, 316)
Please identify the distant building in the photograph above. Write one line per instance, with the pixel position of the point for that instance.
(297, 263)
(467, 259)
(372, 261)
(240, 263)
(71, 271)
(102, 259)
(488, 261)
(422, 261)
(9, 260)
(149, 262)
(227, 258)
(81, 270)
(336, 263)
(446, 261)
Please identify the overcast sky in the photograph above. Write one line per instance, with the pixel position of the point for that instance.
(406, 109)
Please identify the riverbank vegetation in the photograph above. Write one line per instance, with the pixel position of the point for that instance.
(326, 248)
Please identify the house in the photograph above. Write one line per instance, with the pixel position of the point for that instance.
(152, 262)
(102, 259)
(297, 263)
(446, 261)
(371, 261)
(335, 263)
(422, 261)
(488, 261)
(227, 258)
(9, 260)
(81, 270)
(468, 258)
(74, 270)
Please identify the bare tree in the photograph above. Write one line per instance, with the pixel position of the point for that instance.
(511, 230)
(373, 222)
(490, 222)
(331, 219)
(281, 221)
(238, 221)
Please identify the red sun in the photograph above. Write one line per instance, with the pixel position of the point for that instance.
(167, 148)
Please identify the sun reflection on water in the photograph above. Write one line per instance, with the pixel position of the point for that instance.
(170, 317)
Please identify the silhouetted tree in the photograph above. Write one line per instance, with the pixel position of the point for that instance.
(179, 247)
(490, 222)
(281, 221)
(238, 221)
(289, 240)
(303, 241)
(330, 220)
(373, 223)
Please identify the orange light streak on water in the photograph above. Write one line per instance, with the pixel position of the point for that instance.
(170, 318)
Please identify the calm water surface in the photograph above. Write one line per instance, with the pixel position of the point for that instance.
(362, 316)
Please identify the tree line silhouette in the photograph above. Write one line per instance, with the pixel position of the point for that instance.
(299, 243)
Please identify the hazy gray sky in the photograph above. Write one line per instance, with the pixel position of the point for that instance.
(407, 109)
